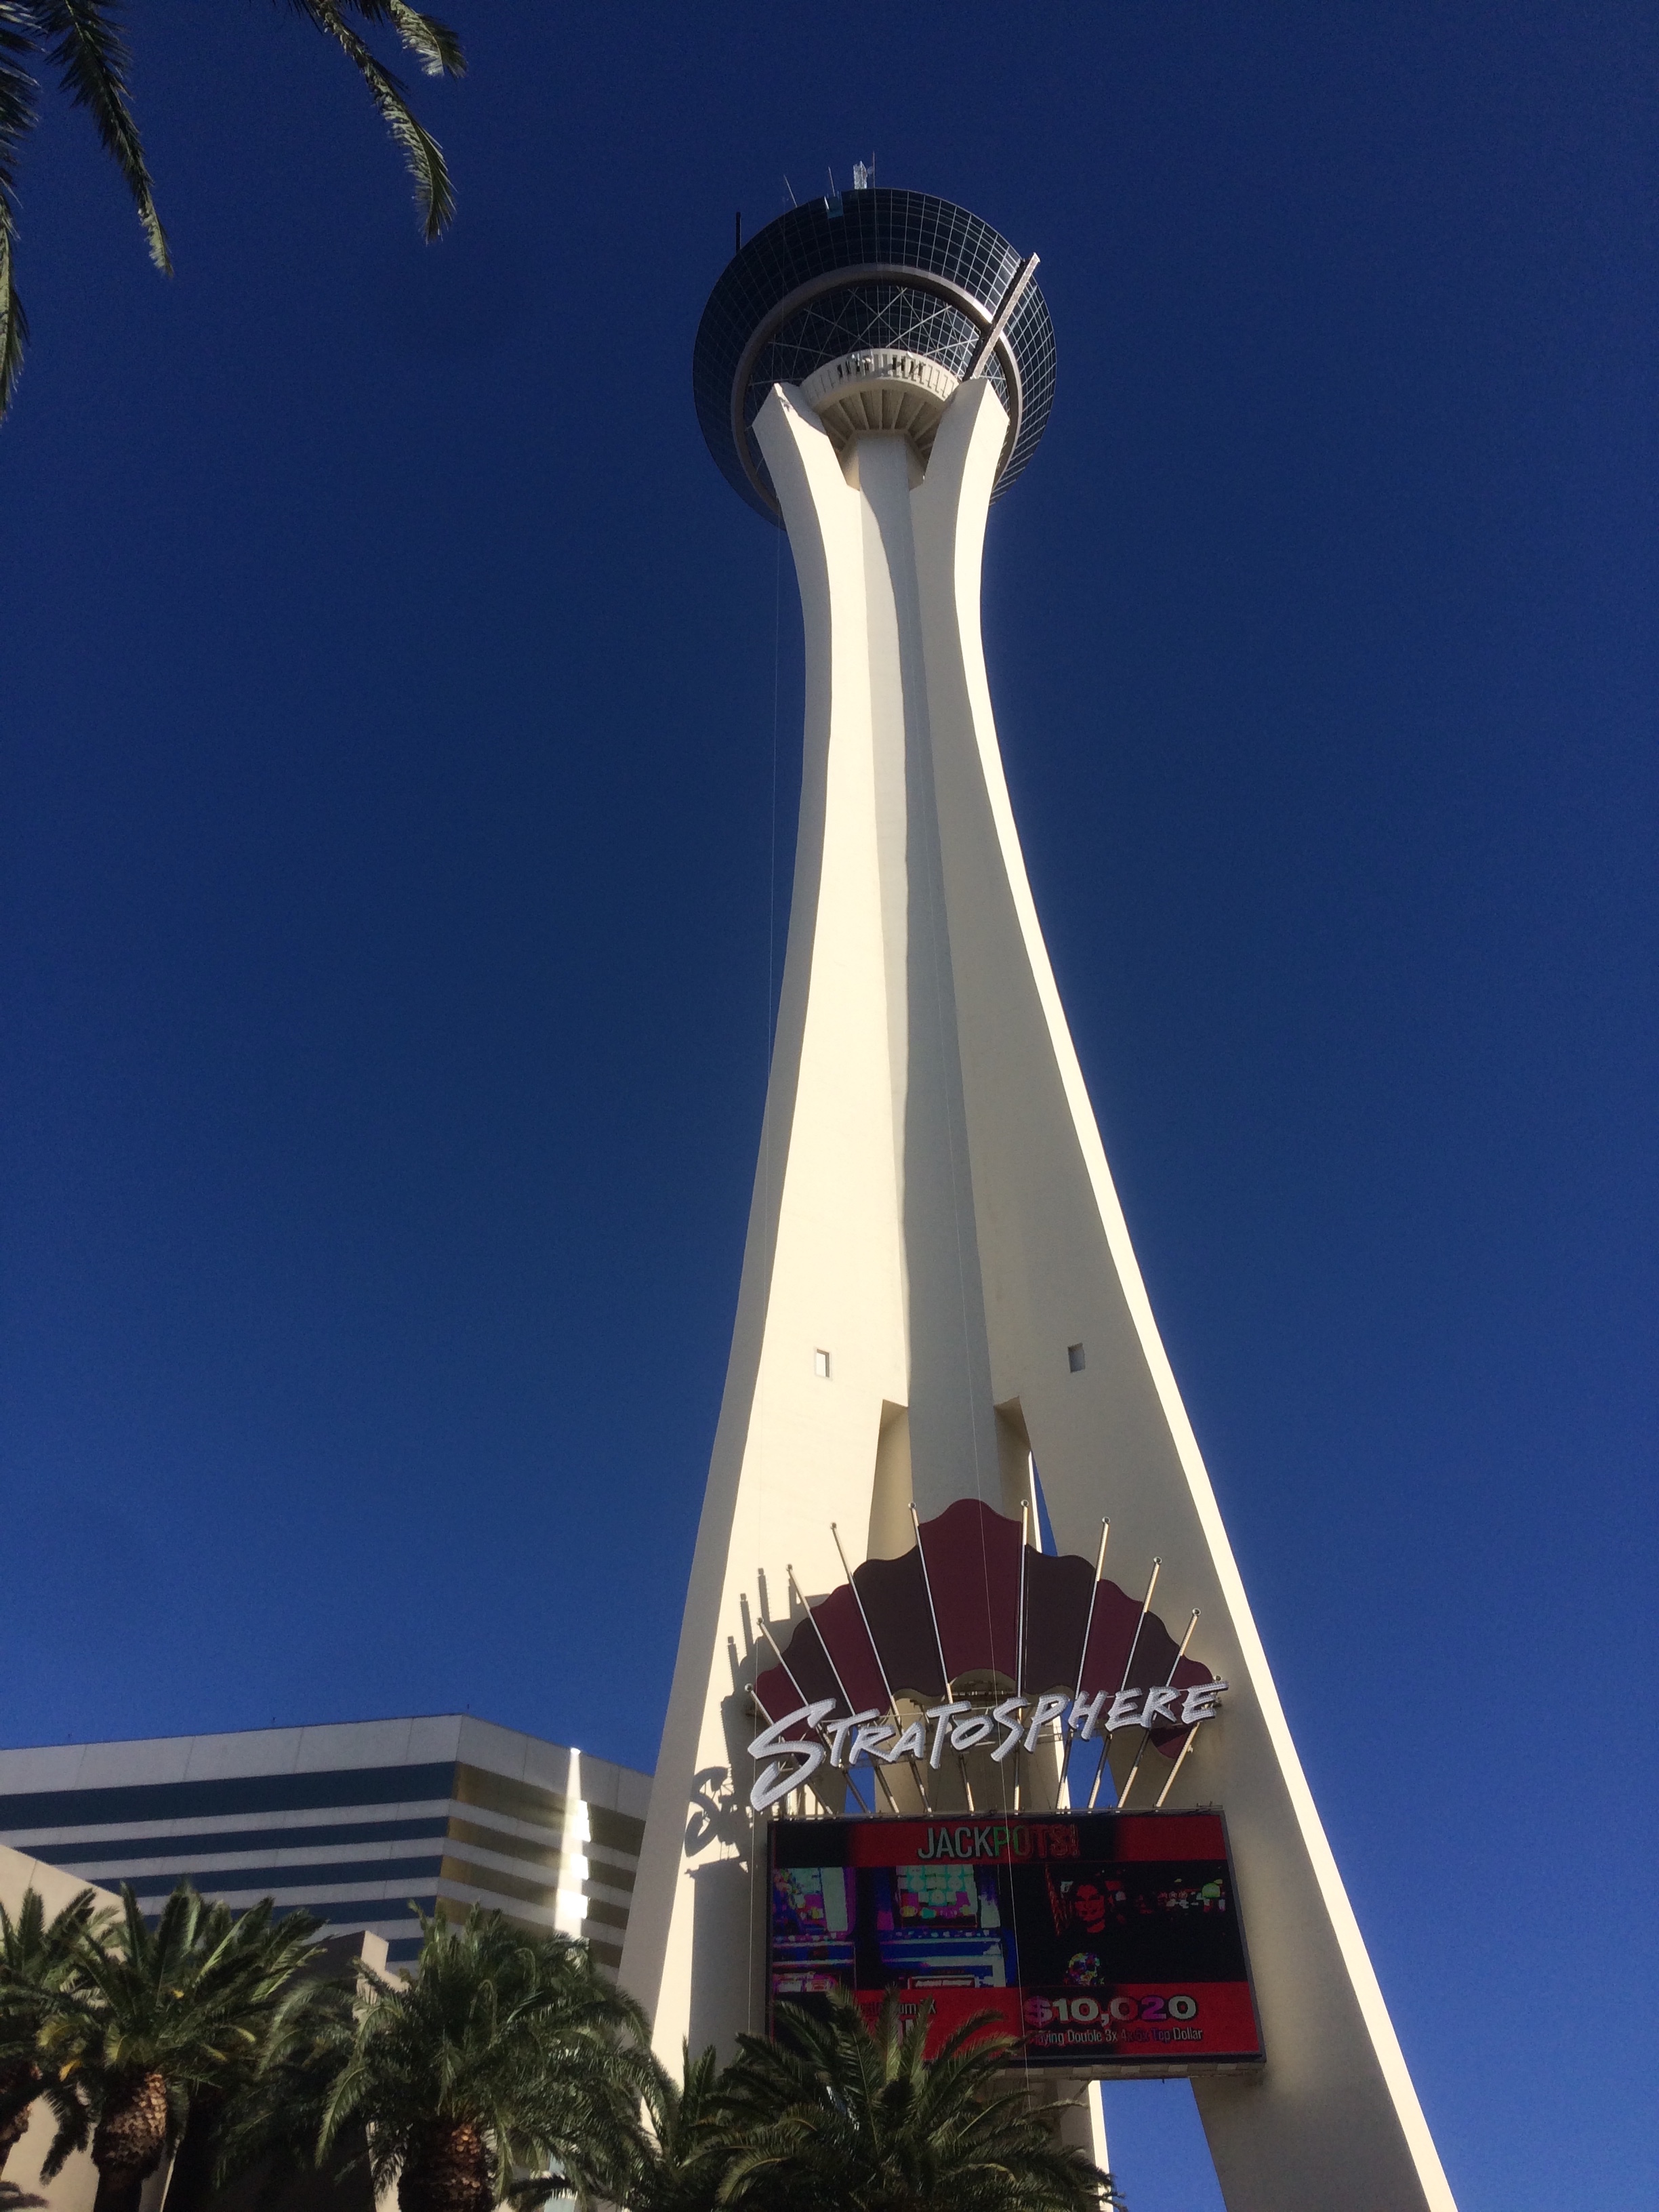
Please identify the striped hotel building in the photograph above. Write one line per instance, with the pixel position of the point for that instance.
(353, 1821)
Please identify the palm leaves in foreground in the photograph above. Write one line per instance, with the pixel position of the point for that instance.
(37, 1958)
(505, 2070)
(838, 2117)
(81, 41)
(154, 2019)
(681, 2165)
(504, 2052)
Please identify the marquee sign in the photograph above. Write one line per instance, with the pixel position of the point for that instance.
(1102, 1942)
(912, 1659)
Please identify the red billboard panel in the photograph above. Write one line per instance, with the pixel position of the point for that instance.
(1101, 1940)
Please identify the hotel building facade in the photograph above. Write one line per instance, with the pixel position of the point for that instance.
(355, 1821)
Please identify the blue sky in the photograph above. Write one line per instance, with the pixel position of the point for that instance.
(389, 881)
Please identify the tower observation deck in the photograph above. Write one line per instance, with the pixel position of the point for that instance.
(878, 304)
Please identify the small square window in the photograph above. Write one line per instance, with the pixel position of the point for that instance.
(1074, 1358)
(821, 1365)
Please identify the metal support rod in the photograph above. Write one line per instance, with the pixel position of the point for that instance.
(1083, 1653)
(933, 1610)
(881, 1669)
(1134, 1645)
(1011, 299)
(823, 1645)
(766, 1631)
(1019, 1631)
(938, 1639)
(759, 1704)
(1146, 1733)
(829, 1655)
(1180, 1761)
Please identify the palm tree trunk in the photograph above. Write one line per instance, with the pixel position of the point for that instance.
(130, 2137)
(196, 2154)
(20, 2084)
(447, 2170)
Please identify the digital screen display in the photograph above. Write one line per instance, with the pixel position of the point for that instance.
(1098, 1940)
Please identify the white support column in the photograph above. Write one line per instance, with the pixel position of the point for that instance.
(823, 1273)
(1082, 2123)
(1334, 2121)
(953, 1444)
(570, 1893)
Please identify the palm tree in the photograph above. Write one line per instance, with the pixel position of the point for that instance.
(81, 41)
(835, 2114)
(683, 2162)
(504, 2052)
(37, 1957)
(269, 2122)
(154, 2018)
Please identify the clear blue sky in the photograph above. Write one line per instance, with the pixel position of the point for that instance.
(388, 733)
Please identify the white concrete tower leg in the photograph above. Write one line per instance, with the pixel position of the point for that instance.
(1083, 2121)
(795, 1448)
(1334, 2123)
(570, 1897)
(953, 1445)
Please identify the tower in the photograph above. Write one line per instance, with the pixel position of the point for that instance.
(939, 1304)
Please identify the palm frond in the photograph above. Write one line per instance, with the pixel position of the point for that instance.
(19, 111)
(190, 1999)
(91, 57)
(512, 2040)
(434, 192)
(271, 2126)
(837, 2111)
(40, 1959)
(73, 2126)
(438, 46)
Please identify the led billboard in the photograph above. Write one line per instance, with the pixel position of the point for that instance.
(1102, 1940)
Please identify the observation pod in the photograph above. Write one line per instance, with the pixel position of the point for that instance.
(878, 305)
(939, 1305)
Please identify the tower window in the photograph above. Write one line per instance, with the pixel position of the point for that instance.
(1074, 1358)
(821, 1365)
